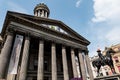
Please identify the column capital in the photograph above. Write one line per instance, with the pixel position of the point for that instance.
(10, 31)
(86, 52)
(80, 51)
(72, 47)
(63, 45)
(72, 50)
(53, 43)
(27, 34)
(41, 39)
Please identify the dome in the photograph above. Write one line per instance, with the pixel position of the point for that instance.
(41, 10)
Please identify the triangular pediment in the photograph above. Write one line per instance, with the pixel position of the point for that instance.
(49, 24)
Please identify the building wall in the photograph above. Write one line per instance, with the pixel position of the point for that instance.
(116, 57)
(105, 70)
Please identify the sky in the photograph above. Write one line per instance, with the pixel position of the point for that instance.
(96, 20)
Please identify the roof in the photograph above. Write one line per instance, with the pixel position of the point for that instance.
(42, 6)
(33, 20)
(1, 39)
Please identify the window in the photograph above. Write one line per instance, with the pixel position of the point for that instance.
(46, 65)
(101, 74)
(34, 78)
(46, 78)
(119, 68)
(116, 59)
(107, 73)
(35, 64)
(118, 48)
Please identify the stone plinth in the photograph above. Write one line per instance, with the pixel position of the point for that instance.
(112, 77)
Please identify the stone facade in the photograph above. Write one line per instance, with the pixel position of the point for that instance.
(116, 57)
(47, 51)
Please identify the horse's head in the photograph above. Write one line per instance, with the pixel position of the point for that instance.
(109, 51)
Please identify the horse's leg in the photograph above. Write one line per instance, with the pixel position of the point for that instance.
(112, 69)
(98, 74)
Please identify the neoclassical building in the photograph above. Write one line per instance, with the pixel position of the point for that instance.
(35, 47)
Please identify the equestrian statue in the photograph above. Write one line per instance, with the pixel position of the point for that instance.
(104, 60)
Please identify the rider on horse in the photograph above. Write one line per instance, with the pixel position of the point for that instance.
(100, 54)
(102, 58)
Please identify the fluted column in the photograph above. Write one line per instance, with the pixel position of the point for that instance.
(54, 65)
(65, 65)
(89, 67)
(82, 66)
(24, 63)
(5, 54)
(74, 66)
(40, 61)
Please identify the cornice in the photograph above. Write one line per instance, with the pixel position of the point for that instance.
(46, 35)
(13, 16)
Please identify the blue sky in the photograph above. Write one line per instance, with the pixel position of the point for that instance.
(96, 20)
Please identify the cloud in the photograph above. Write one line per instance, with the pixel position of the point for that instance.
(105, 10)
(114, 35)
(108, 11)
(105, 24)
(15, 7)
(78, 3)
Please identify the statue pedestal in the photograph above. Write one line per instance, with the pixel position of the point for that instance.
(112, 77)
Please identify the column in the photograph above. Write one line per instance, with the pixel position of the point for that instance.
(24, 63)
(89, 67)
(35, 13)
(39, 13)
(42, 15)
(5, 54)
(74, 66)
(54, 66)
(46, 14)
(82, 66)
(65, 65)
(40, 61)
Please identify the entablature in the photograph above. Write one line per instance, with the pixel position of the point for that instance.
(52, 36)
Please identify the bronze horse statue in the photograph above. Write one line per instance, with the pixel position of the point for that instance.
(104, 60)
